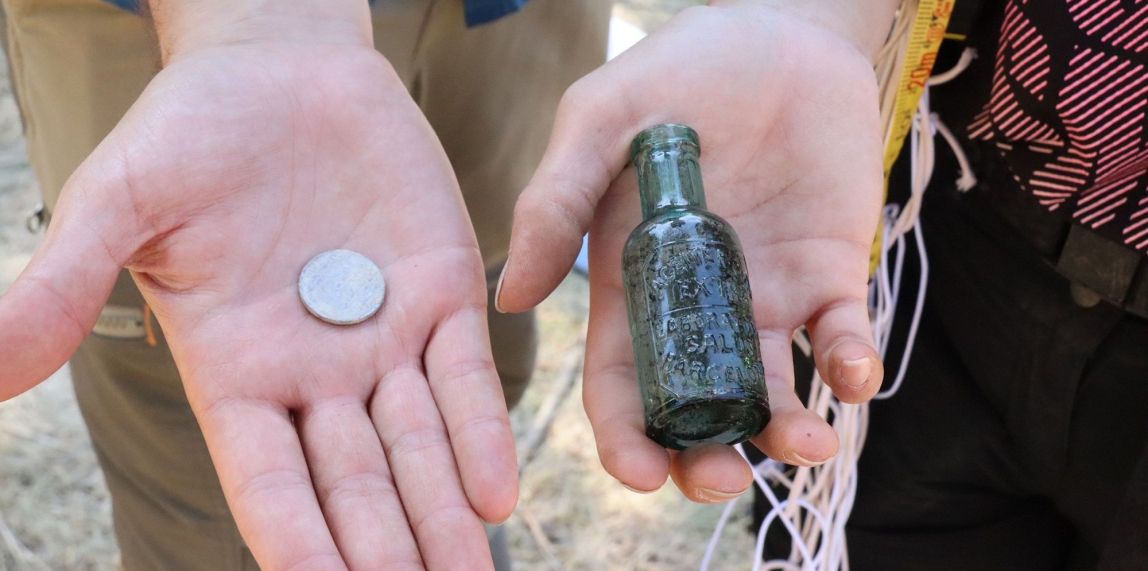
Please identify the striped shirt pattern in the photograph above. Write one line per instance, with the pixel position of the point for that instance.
(1068, 108)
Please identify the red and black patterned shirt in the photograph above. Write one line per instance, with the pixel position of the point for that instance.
(1068, 110)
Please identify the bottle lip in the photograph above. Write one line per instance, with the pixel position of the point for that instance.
(663, 135)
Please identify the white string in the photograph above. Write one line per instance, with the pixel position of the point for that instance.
(967, 179)
(966, 59)
(816, 502)
(922, 160)
(711, 547)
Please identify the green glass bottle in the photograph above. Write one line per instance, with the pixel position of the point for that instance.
(691, 317)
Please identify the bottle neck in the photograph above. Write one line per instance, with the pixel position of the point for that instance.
(669, 176)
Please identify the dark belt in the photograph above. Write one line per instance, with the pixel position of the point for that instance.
(1099, 268)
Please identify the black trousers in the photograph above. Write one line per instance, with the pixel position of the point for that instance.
(1018, 438)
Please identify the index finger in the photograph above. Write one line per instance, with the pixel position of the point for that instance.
(264, 475)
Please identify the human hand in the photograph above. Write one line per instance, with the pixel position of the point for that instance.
(375, 445)
(787, 112)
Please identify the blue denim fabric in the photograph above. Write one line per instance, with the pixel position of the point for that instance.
(477, 11)
(483, 11)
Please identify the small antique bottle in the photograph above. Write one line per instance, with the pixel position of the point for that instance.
(691, 317)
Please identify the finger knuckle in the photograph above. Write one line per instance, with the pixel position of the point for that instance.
(354, 488)
(447, 517)
(416, 443)
(273, 483)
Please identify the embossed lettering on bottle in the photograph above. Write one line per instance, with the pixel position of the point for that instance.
(691, 315)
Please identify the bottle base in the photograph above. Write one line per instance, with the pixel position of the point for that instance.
(722, 420)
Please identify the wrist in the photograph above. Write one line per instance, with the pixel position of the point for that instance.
(186, 27)
(863, 23)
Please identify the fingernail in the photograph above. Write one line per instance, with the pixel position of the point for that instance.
(498, 288)
(716, 496)
(796, 459)
(636, 490)
(855, 372)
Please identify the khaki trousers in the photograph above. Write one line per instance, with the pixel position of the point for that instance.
(489, 92)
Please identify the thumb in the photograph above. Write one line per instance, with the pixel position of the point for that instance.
(588, 149)
(55, 302)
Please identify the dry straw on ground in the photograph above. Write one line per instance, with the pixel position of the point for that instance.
(55, 513)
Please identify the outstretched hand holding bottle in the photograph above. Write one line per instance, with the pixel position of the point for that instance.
(784, 98)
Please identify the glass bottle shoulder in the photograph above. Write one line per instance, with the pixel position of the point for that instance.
(678, 225)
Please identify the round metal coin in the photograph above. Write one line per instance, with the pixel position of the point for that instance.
(341, 287)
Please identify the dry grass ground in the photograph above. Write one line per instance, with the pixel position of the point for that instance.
(55, 512)
(54, 508)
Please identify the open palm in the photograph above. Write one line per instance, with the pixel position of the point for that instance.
(788, 119)
(381, 443)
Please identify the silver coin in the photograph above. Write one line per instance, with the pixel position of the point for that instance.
(341, 287)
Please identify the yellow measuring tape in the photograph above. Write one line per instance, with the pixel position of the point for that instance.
(926, 33)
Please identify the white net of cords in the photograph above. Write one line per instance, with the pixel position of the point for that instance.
(812, 505)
